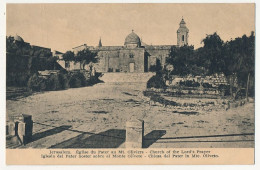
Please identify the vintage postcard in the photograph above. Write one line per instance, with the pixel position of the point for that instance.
(140, 83)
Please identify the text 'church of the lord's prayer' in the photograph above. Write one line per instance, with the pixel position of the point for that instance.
(134, 56)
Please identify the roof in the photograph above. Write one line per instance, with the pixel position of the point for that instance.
(183, 27)
(39, 47)
(182, 22)
(159, 47)
(80, 46)
(110, 48)
(58, 52)
(48, 72)
(132, 38)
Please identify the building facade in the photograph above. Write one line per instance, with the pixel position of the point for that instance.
(182, 34)
(134, 56)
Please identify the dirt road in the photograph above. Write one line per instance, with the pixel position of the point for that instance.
(95, 117)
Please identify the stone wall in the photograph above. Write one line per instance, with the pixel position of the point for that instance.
(180, 42)
(126, 77)
(160, 54)
(71, 65)
(119, 60)
(135, 56)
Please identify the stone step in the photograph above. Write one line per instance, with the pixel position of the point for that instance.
(126, 77)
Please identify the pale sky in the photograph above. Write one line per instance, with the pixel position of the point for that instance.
(64, 26)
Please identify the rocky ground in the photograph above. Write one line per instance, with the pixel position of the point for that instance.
(95, 117)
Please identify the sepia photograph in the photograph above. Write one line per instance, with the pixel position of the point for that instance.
(130, 76)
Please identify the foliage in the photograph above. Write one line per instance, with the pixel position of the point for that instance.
(225, 89)
(42, 63)
(242, 51)
(210, 56)
(184, 61)
(52, 83)
(235, 59)
(36, 83)
(207, 85)
(17, 48)
(77, 80)
(189, 83)
(156, 82)
(68, 56)
(86, 56)
(24, 60)
(59, 81)
(64, 81)
(157, 67)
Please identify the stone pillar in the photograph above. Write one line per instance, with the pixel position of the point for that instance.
(21, 132)
(10, 128)
(134, 134)
(25, 128)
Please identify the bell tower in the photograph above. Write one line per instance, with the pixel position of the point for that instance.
(182, 34)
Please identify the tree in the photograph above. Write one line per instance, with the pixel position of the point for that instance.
(157, 67)
(86, 56)
(240, 60)
(249, 60)
(184, 61)
(68, 56)
(215, 57)
(210, 56)
(235, 59)
(17, 47)
(18, 62)
(52, 61)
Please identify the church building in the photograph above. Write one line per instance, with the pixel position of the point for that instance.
(134, 56)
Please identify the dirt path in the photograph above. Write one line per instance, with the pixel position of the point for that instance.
(95, 117)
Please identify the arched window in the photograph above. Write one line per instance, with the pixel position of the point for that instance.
(182, 37)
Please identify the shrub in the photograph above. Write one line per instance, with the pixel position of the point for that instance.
(36, 83)
(60, 81)
(207, 85)
(224, 89)
(82, 79)
(64, 81)
(189, 83)
(240, 94)
(156, 82)
(77, 80)
(74, 82)
(52, 83)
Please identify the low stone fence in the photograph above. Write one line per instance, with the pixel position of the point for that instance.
(194, 91)
(205, 102)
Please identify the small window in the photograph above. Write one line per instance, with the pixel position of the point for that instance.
(67, 64)
(131, 55)
(182, 37)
